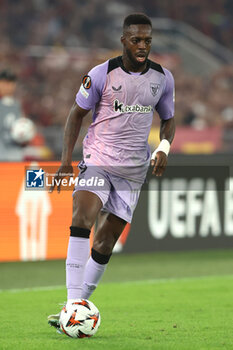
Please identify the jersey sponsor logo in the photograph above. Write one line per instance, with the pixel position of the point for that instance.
(154, 88)
(117, 89)
(121, 108)
(86, 81)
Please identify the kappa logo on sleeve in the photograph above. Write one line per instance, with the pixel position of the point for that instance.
(86, 81)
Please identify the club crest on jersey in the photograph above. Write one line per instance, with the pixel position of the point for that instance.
(86, 81)
(154, 88)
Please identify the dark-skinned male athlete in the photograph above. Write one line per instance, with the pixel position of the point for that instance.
(123, 94)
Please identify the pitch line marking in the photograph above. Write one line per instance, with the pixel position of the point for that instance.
(148, 281)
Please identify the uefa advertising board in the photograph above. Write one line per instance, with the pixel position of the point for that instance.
(190, 207)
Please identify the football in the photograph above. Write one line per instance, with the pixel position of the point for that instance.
(22, 131)
(79, 319)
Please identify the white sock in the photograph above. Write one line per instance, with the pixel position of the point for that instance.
(92, 276)
(77, 256)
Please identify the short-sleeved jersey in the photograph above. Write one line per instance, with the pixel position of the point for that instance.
(123, 105)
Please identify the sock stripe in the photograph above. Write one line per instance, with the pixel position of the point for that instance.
(79, 232)
(100, 258)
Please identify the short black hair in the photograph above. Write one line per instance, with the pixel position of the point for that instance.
(8, 75)
(136, 18)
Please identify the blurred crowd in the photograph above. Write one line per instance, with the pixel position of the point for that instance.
(212, 17)
(54, 22)
(47, 87)
(204, 102)
(85, 23)
(48, 82)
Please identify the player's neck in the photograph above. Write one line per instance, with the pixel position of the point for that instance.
(130, 67)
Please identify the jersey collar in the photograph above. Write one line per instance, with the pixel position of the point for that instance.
(120, 61)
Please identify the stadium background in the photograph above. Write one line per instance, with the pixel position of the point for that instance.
(50, 45)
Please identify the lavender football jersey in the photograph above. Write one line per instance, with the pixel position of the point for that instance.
(123, 105)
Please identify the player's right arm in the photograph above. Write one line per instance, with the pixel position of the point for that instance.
(87, 97)
(72, 129)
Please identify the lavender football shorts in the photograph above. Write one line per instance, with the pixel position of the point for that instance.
(118, 195)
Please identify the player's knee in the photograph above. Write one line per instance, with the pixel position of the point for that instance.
(104, 245)
(82, 220)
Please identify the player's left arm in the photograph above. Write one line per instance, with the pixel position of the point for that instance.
(165, 108)
(159, 156)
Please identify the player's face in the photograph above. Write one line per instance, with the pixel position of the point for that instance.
(137, 44)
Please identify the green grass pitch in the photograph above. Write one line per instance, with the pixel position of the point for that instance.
(176, 301)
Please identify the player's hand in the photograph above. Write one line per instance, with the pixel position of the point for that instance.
(159, 163)
(63, 171)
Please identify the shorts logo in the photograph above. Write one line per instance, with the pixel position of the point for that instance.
(86, 81)
(154, 88)
(35, 178)
(121, 108)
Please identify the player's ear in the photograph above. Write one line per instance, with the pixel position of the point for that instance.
(123, 39)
